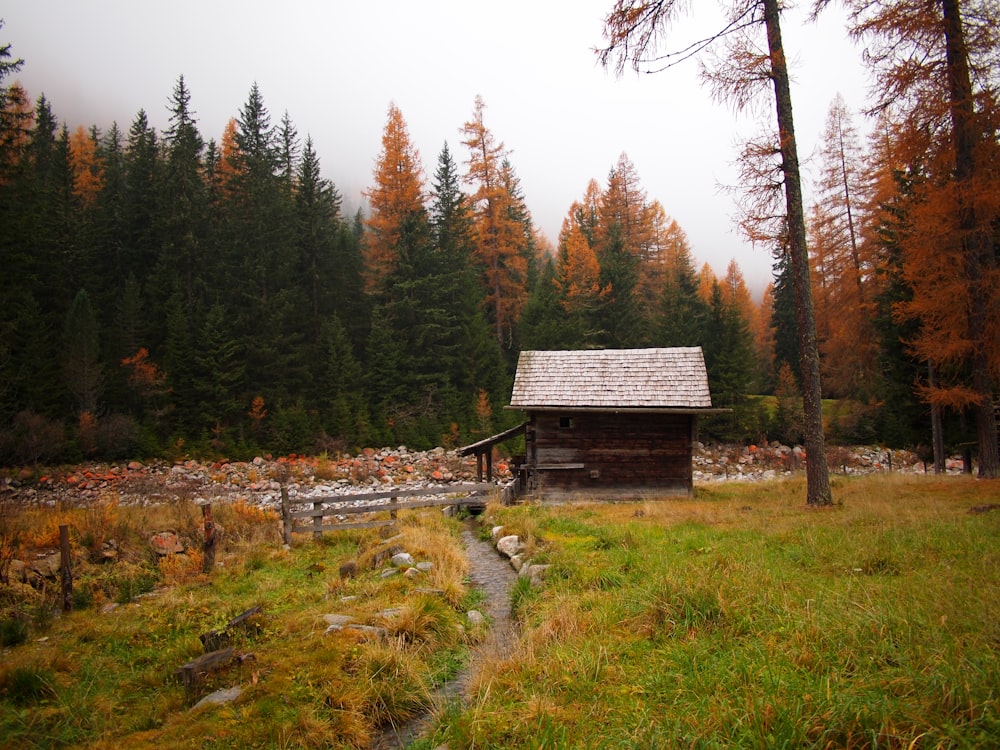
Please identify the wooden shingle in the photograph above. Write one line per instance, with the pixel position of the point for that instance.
(665, 378)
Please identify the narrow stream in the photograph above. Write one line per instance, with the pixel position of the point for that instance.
(491, 573)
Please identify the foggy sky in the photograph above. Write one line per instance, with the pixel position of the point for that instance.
(335, 66)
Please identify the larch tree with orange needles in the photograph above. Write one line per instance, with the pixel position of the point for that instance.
(88, 178)
(633, 30)
(395, 197)
(17, 116)
(499, 216)
(936, 66)
(577, 280)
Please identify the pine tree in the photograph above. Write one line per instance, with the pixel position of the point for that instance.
(183, 202)
(81, 359)
(317, 220)
(682, 313)
(619, 318)
(544, 323)
(218, 372)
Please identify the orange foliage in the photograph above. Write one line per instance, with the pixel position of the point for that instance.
(88, 175)
(229, 159)
(143, 372)
(19, 118)
(501, 240)
(578, 271)
(394, 198)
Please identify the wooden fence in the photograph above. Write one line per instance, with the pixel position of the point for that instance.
(322, 508)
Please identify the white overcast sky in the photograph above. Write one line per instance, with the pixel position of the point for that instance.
(336, 65)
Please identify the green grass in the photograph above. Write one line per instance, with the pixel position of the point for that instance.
(739, 618)
(743, 619)
(104, 676)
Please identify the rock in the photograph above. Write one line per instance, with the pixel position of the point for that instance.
(166, 543)
(496, 531)
(386, 553)
(475, 617)
(402, 560)
(108, 551)
(516, 561)
(47, 566)
(337, 619)
(220, 697)
(425, 567)
(533, 572)
(509, 546)
(367, 630)
(412, 573)
(389, 572)
(18, 571)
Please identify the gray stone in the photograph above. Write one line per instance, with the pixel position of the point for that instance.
(475, 617)
(220, 697)
(402, 560)
(533, 572)
(48, 566)
(367, 630)
(509, 545)
(425, 567)
(336, 622)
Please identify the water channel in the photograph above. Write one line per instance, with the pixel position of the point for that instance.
(491, 573)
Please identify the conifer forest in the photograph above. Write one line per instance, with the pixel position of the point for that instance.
(171, 291)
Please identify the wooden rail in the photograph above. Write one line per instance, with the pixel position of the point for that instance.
(475, 493)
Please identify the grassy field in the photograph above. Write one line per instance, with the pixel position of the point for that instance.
(104, 676)
(742, 619)
(736, 619)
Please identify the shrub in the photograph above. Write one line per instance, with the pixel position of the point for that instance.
(117, 436)
(26, 685)
(13, 631)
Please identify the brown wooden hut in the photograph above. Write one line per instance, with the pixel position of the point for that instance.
(610, 423)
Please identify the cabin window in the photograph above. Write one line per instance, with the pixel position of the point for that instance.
(565, 423)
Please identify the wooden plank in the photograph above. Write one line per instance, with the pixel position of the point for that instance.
(556, 467)
(449, 489)
(341, 526)
(387, 507)
(218, 639)
(191, 673)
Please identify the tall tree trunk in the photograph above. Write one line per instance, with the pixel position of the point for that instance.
(937, 425)
(977, 253)
(817, 474)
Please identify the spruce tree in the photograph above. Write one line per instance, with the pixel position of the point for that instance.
(81, 355)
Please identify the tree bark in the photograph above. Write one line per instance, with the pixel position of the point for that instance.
(976, 250)
(937, 425)
(817, 474)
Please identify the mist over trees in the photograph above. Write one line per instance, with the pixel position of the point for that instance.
(181, 292)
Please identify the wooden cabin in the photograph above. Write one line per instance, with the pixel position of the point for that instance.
(610, 423)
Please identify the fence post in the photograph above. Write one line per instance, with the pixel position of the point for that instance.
(318, 518)
(286, 520)
(392, 502)
(208, 548)
(65, 568)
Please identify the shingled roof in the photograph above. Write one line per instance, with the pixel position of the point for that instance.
(670, 378)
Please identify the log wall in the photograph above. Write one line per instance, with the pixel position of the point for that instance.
(609, 453)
